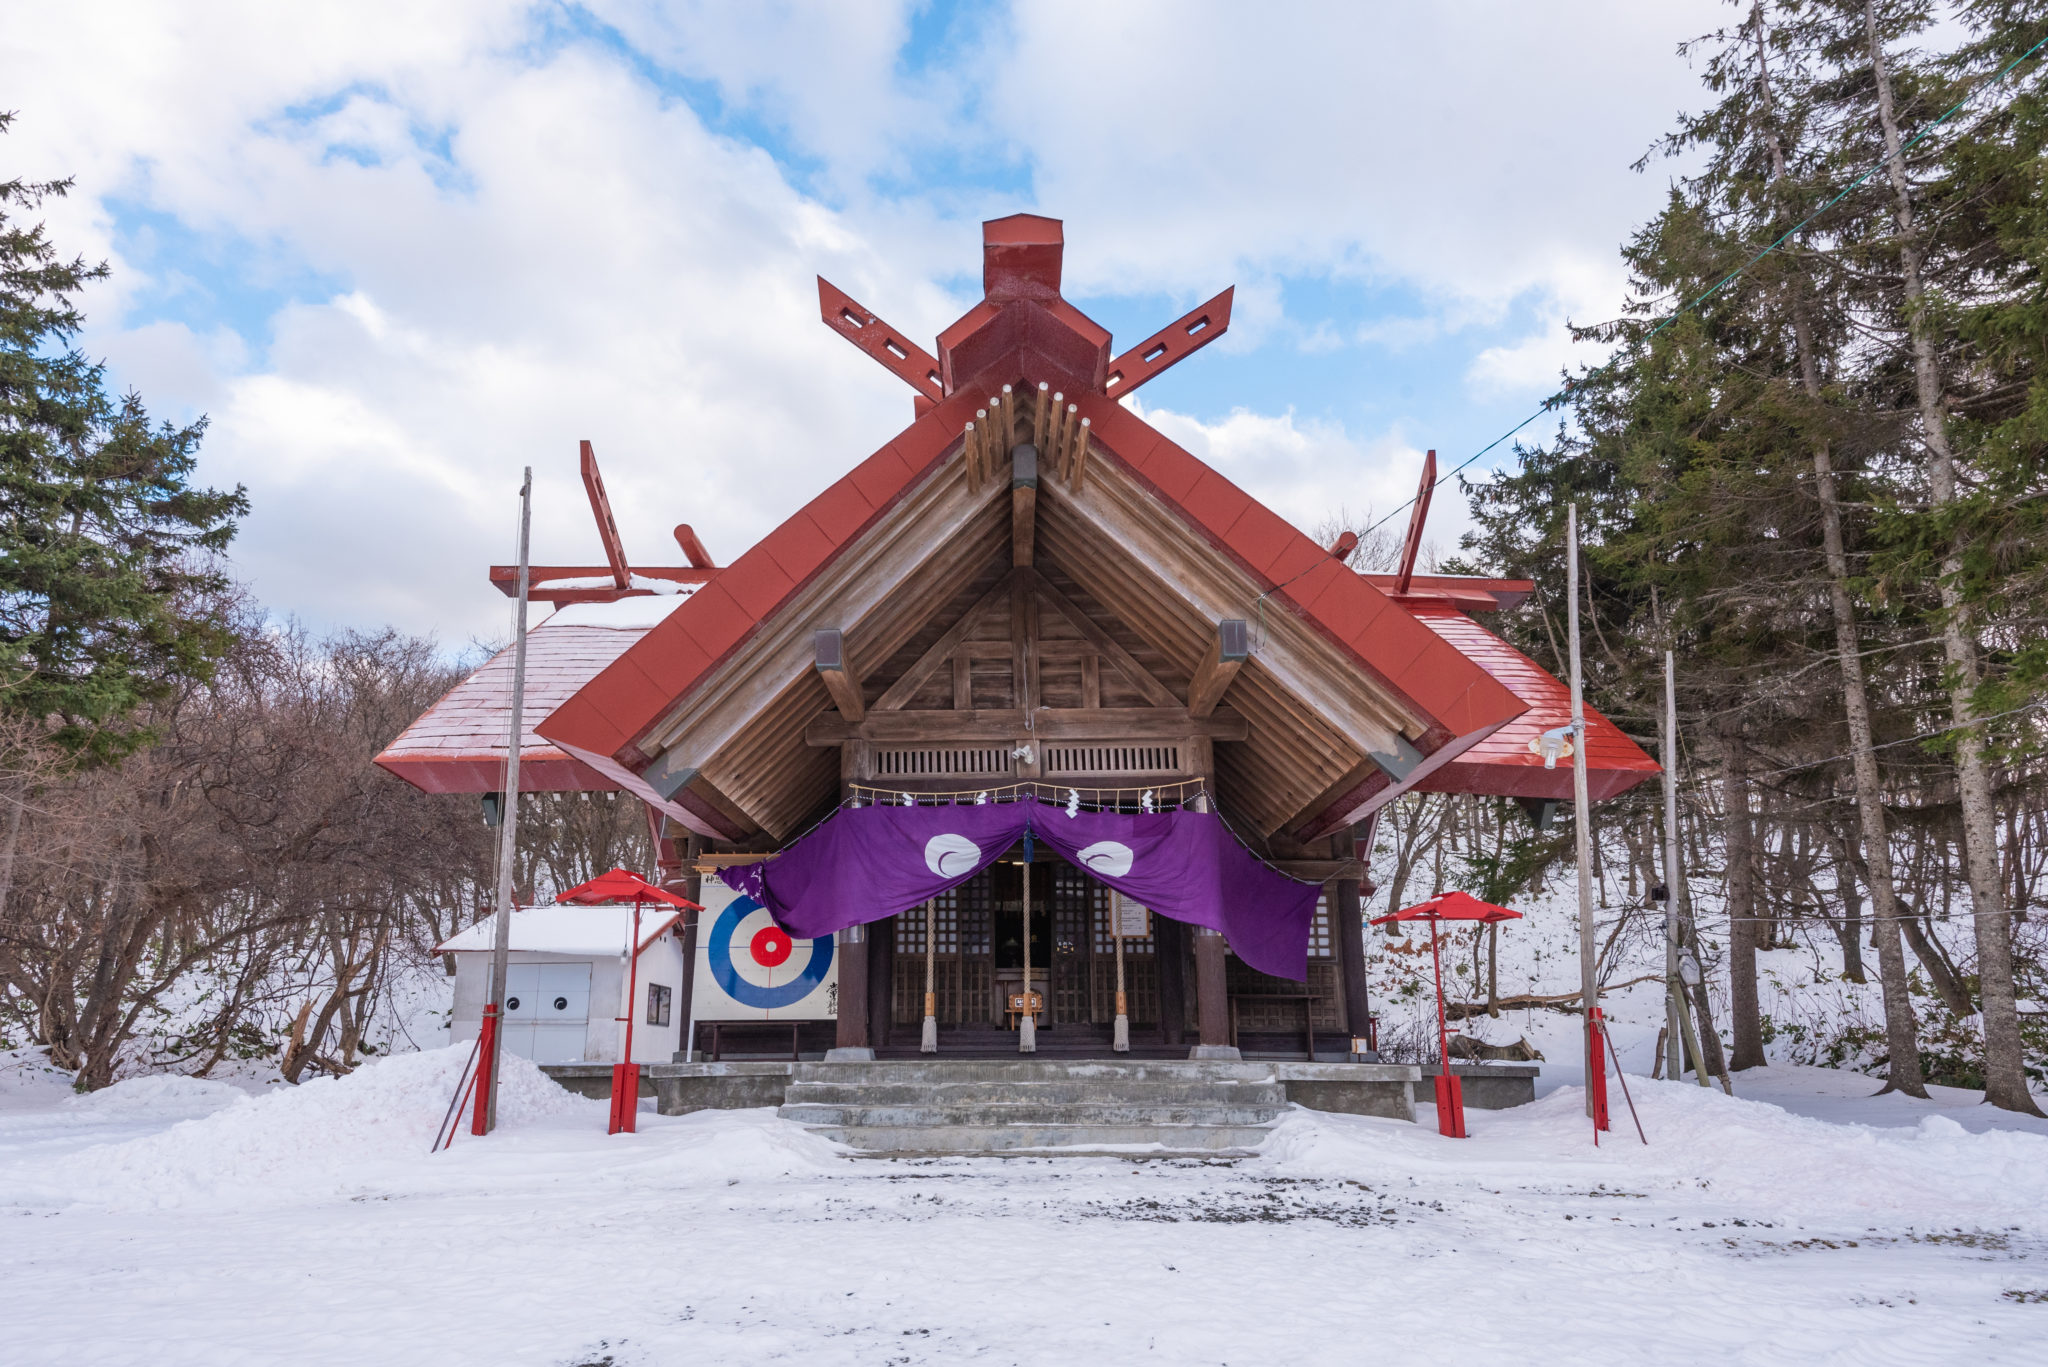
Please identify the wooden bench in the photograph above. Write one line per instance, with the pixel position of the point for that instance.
(718, 1029)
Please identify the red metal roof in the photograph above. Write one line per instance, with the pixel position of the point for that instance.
(592, 692)
(1503, 764)
(458, 745)
(1028, 329)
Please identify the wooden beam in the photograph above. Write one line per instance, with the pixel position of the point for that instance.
(1319, 870)
(1156, 693)
(1023, 504)
(905, 688)
(841, 681)
(1226, 656)
(1108, 724)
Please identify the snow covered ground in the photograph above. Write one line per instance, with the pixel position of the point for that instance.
(168, 1221)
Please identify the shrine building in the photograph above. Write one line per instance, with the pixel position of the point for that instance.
(1033, 626)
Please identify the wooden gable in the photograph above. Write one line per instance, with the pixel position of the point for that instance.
(1030, 584)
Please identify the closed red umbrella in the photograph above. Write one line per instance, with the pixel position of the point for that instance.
(1451, 906)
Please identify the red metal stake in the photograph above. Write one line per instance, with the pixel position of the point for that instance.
(1450, 1095)
(1596, 1080)
(487, 1036)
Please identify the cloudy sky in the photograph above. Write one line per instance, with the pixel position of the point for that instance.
(394, 252)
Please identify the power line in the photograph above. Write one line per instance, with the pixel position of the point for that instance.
(1555, 399)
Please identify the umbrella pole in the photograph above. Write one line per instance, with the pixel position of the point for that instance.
(1443, 1034)
(1450, 1101)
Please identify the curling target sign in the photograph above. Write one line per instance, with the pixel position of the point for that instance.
(749, 967)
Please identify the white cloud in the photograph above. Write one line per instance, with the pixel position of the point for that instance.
(1315, 474)
(515, 239)
(605, 268)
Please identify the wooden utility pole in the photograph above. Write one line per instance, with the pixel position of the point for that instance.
(508, 830)
(1679, 1033)
(1589, 984)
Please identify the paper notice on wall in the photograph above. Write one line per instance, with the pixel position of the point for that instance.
(1133, 921)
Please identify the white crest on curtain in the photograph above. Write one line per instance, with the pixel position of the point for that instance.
(1111, 858)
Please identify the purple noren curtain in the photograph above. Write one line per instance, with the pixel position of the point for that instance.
(867, 863)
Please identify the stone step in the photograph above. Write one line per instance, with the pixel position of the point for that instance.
(1028, 1113)
(1216, 1141)
(1062, 1091)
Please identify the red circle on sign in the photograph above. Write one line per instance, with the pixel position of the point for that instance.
(771, 947)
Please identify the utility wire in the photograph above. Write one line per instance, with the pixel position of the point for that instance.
(1558, 398)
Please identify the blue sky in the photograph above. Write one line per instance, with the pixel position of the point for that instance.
(396, 252)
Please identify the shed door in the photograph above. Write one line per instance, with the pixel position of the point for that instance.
(522, 1000)
(562, 1002)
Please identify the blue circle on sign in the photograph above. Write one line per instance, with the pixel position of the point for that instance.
(727, 975)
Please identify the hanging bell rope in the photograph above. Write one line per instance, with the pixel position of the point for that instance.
(1027, 1026)
(1120, 1041)
(929, 1042)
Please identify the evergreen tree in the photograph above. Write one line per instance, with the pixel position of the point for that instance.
(107, 581)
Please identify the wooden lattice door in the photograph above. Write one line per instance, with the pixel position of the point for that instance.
(960, 958)
(1074, 897)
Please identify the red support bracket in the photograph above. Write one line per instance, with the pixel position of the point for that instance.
(1176, 341)
(1411, 545)
(904, 359)
(607, 527)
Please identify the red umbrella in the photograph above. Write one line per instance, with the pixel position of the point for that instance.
(1451, 906)
(622, 885)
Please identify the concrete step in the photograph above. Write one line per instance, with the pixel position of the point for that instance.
(1063, 1091)
(1219, 1141)
(1010, 1105)
(1024, 1069)
(1005, 1113)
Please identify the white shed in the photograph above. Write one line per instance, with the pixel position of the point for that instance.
(567, 984)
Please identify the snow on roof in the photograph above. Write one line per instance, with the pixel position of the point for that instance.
(1508, 762)
(458, 744)
(627, 613)
(591, 931)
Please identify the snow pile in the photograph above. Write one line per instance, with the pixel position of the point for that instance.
(327, 1135)
(708, 1147)
(1723, 1150)
(28, 1078)
(158, 1094)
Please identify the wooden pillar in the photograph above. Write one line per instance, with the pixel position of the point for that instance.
(881, 980)
(851, 1041)
(1169, 948)
(1212, 997)
(675, 870)
(690, 885)
(1347, 926)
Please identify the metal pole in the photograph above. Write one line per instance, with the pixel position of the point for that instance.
(1589, 986)
(508, 833)
(1674, 1052)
